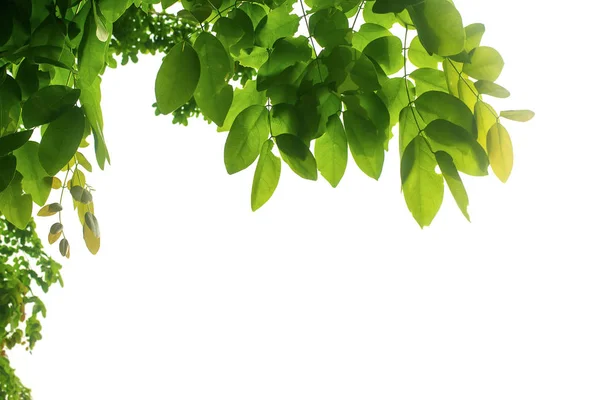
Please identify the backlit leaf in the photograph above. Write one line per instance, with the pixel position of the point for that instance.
(500, 151)
(177, 78)
(491, 89)
(439, 26)
(35, 178)
(47, 104)
(331, 151)
(454, 182)
(61, 140)
(266, 176)
(248, 132)
(15, 205)
(486, 64)
(434, 105)
(8, 167)
(13, 141)
(518, 115)
(297, 156)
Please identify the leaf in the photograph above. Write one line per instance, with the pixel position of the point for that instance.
(92, 51)
(386, 20)
(363, 73)
(500, 151)
(331, 151)
(81, 195)
(467, 92)
(419, 57)
(266, 176)
(366, 145)
(439, 26)
(452, 72)
(428, 79)
(49, 210)
(55, 233)
(469, 157)
(518, 115)
(92, 242)
(102, 27)
(113, 9)
(242, 99)
(491, 89)
(392, 6)
(61, 140)
(47, 104)
(423, 189)
(64, 248)
(453, 181)
(56, 183)
(284, 119)
(90, 101)
(297, 155)
(15, 205)
(411, 125)
(367, 33)
(8, 167)
(329, 27)
(213, 94)
(10, 105)
(254, 57)
(387, 53)
(92, 223)
(473, 33)
(395, 95)
(35, 178)
(486, 64)
(248, 132)
(13, 141)
(286, 53)
(177, 78)
(83, 161)
(434, 105)
(485, 118)
(277, 24)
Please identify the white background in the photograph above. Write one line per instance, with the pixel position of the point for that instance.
(337, 294)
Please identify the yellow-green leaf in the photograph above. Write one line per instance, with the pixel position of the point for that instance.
(500, 151)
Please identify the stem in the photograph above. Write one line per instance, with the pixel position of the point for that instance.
(311, 39)
(357, 14)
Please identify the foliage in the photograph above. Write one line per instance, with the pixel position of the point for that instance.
(24, 269)
(309, 82)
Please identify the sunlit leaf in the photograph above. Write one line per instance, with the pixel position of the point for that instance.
(331, 151)
(491, 89)
(248, 132)
(266, 176)
(486, 64)
(297, 156)
(35, 177)
(518, 115)
(61, 140)
(453, 181)
(500, 151)
(439, 26)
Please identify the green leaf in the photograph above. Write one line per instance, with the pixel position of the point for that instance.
(277, 24)
(256, 12)
(439, 26)
(454, 182)
(254, 57)
(80, 194)
(284, 119)
(469, 157)
(422, 187)
(452, 72)
(363, 74)
(367, 33)
(248, 132)
(92, 223)
(387, 53)
(92, 51)
(396, 96)
(49, 210)
(64, 248)
(485, 118)
(419, 57)
(90, 101)
(61, 140)
(177, 77)
(491, 89)
(297, 156)
(331, 151)
(429, 79)
(393, 6)
(213, 94)
(286, 53)
(36, 181)
(13, 141)
(8, 167)
(242, 99)
(518, 115)
(266, 176)
(386, 20)
(439, 105)
(330, 28)
(411, 125)
(15, 205)
(366, 144)
(113, 9)
(467, 92)
(500, 151)
(473, 33)
(47, 104)
(486, 64)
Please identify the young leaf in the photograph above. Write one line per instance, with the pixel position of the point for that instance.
(469, 157)
(331, 151)
(92, 223)
(486, 64)
(248, 132)
(491, 89)
(49, 210)
(297, 155)
(423, 189)
(266, 176)
(485, 118)
(453, 181)
(474, 33)
(518, 115)
(419, 57)
(500, 151)
(92, 241)
(55, 233)
(177, 78)
(61, 140)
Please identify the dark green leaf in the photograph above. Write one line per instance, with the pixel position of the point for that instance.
(297, 155)
(13, 141)
(61, 140)
(177, 77)
(10, 107)
(8, 167)
(47, 104)
(286, 53)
